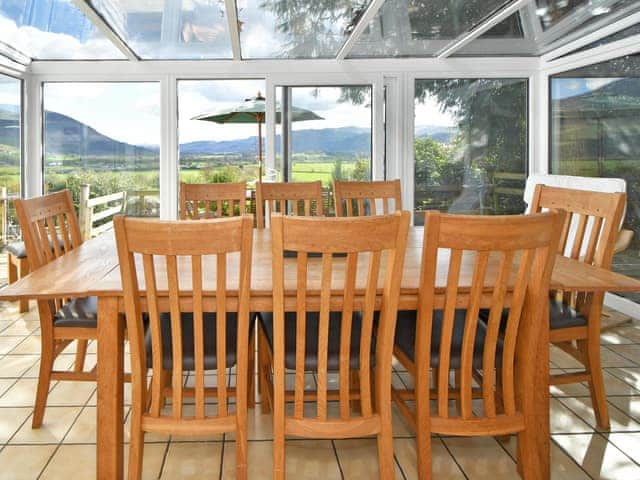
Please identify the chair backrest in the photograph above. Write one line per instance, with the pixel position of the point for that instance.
(362, 198)
(494, 262)
(592, 223)
(212, 200)
(180, 261)
(49, 227)
(365, 267)
(297, 198)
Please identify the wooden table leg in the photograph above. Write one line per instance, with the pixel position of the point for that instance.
(542, 401)
(110, 413)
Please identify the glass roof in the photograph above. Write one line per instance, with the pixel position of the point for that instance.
(52, 30)
(170, 29)
(297, 29)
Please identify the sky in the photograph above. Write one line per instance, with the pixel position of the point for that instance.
(570, 87)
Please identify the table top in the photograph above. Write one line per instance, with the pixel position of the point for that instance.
(92, 269)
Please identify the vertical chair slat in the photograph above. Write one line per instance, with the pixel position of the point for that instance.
(283, 207)
(307, 207)
(62, 225)
(345, 333)
(44, 243)
(360, 203)
(366, 333)
(469, 335)
(447, 332)
(511, 330)
(176, 334)
(221, 331)
(323, 335)
(493, 331)
(301, 332)
(156, 333)
(594, 235)
(579, 236)
(198, 333)
(53, 237)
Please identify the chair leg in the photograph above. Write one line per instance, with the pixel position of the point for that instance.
(264, 368)
(251, 390)
(136, 447)
(81, 353)
(23, 269)
(591, 352)
(457, 380)
(44, 380)
(385, 448)
(528, 465)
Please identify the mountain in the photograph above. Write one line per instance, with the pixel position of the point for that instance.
(349, 140)
(438, 133)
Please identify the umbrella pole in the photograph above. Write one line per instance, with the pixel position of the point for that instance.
(259, 149)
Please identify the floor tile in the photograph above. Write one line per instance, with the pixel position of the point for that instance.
(629, 405)
(443, 465)
(71, 393)
(57, 422)
(14, 366)
(21, 394)
(629, 375)
(631, 352)
(30, 346)
(584, 409)
(597, 457)
(7, 344)
(482, 458)
(11, 419)
(629, 443)
(152, 460)
(71, 461)
(311, 459)
(359, 458)
(192, 461)
(24, 462)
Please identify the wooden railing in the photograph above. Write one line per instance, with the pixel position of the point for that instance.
(111, 204)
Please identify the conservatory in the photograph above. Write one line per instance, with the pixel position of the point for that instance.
(478, 109)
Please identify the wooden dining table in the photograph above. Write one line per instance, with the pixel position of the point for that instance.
(92, 269)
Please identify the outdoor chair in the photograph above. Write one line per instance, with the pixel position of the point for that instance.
(212, 200)
(296, 198)
(363, 198)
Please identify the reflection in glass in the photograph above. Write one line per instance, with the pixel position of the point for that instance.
(52, 30)
(212, 152)
(10, 152)
(595, 132)
(470, 146)
(302, 29)
(170, 30)
(423, 27)
(106, 135)
(622, 34)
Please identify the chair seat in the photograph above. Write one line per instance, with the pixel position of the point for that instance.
(406, 336)
(311, 354)
(188, 358)
(563, 316)
(79, 312)
(17, 249)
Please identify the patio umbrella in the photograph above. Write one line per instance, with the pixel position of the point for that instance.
(252, 110)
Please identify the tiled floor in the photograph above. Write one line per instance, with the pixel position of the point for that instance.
(64, 448)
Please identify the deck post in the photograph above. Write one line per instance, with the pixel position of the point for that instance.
(84, 215)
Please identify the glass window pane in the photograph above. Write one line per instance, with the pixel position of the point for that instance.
(52, 30)
(302, 29)
(595, 132)
(10, 154)
(170, 29)
(336, 146)
(212, 152)
(470, 146)
(421, 27)
(106, 135)
(622, 34)
(506, 39)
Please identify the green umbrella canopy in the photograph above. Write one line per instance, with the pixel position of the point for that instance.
(252, 110)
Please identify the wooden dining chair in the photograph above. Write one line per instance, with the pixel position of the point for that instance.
(447, 335)
(50, 229)
(178, 264)
(329, 327)
(589, 234)
(361, 198)
(297, 198)
(212, 200)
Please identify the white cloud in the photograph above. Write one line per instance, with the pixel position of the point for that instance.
(430, 113)
(595, 83)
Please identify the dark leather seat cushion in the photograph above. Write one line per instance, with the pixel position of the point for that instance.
(188, 359)
(311, 356)
(79, 312)
(563, 316)
(17, 249)
(406, 335)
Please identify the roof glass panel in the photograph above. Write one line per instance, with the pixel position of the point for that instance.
(622, 34)
(52, 30)
(170, 29)
(422, 27)
(553, 11)
(296, 29)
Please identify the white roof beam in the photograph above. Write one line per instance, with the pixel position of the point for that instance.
(487, 24)
(366, 17)
(234, 29)
(105, 29)
(619, 48)
(531, 27)
(14, 55)
(598, 34)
